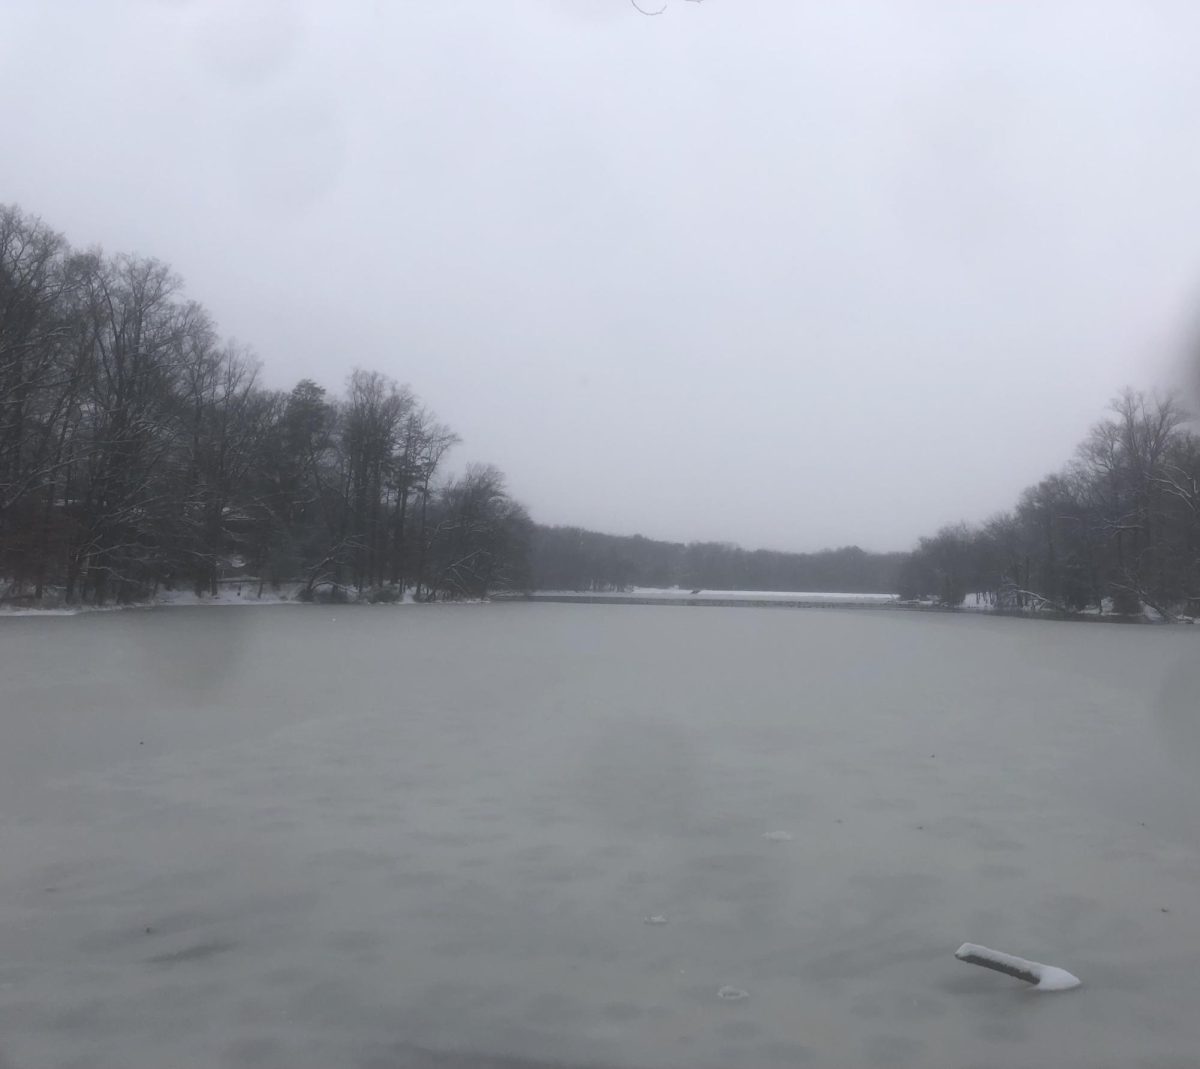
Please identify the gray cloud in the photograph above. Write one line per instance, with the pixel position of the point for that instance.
(787, 273)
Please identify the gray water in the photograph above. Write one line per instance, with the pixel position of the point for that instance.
(304, 837)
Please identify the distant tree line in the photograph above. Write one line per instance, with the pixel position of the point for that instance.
(139, 450)
(1118, 528)
(569, 558)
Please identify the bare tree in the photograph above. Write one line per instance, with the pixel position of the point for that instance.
(480, 540)
(138, 449)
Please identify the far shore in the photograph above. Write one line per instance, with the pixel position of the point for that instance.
(246, 593)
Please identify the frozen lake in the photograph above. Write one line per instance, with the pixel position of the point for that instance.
(306, 837)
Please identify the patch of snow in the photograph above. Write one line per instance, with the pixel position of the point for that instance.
(239, 592)
(7, 611)
(4, 611)
(1056, 979)
(732, 994)
(777, 836)
(979, 601)
(246, 594)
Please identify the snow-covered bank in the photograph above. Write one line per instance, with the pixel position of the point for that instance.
(246, 593)
(239, 594)
(987, 605)
(764, 595)
(675, 595)
(241, 591)
(235, 592)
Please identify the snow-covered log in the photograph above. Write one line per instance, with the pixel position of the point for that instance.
(1043, 977)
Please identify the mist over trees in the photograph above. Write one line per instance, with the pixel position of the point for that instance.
(1118, 528)
(139, 450)
(569, 558)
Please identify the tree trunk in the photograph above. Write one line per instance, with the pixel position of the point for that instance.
(398, 548)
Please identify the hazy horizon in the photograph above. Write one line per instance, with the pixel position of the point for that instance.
(598, 247)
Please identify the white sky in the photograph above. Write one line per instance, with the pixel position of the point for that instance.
(787, 273)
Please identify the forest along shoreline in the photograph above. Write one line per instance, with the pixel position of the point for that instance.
(141, 456)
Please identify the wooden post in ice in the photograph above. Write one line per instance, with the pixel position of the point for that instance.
(1043, 977)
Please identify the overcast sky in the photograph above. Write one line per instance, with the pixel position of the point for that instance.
(779, 272)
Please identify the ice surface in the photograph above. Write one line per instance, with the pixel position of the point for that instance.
(439, 829)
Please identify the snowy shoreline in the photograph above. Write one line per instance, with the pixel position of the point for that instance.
(781, 599)
(289, 594)
(165, 598)
(818, 600)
